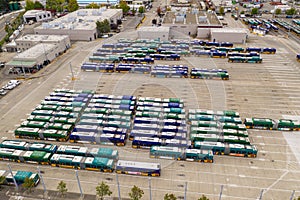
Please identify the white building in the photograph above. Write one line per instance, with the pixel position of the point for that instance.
(26, 42)
(234, 35)
(81, 24)
(37, 16)
(154, 32)
(35, 58)
(37, 51)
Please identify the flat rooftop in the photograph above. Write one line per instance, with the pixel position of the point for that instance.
(82, 19)
(229, 30)
(38, 38)
(34, 12)
(35, 51)
(201, 17)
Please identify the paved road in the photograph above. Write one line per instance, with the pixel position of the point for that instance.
(270, 89)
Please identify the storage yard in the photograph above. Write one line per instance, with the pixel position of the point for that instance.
(266, 89)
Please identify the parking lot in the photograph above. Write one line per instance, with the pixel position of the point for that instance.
(270, 90)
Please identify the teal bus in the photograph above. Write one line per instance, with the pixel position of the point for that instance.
(177, 153)
(220, 138)
(218, 148)
(29, 146)
(88, 151)
(20, 177)
(81, 162)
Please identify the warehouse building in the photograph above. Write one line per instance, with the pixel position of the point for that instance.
(156, 33)
(81, 24)
(37, 16)
(234, 35)
(26, 42)
(35, 58)
(185, 22)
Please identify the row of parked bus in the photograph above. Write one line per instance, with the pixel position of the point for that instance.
(290, 27)
(167, 71)
(223, 131)
(76, 157)
(61, 112)
(271, 124)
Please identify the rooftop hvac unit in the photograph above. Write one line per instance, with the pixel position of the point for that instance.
(46, 25)
(82, 13)
(71, 19)
(96, 12)
(195, 11)
(179, 18)
(102, 9)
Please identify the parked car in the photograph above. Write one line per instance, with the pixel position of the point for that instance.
(2, 92)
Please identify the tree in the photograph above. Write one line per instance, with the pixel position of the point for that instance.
(38, 5)
(169, 197)
(254, 11)
(103, 27)
(291, 11)
(124, 6)
(28, 184)
(203, 198)
(62, 188)
(141, 9)
(29, 5)
(102, 190)
(278, 11)
(136, 193)
(93, 5)
(4, 5)
(297, 198)
(2, 180)
(221, 10)
(72, 5)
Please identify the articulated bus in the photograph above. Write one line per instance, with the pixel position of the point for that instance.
(177, 153)
(209, 74)
(36, 157)
(218, 148)
(147, 142)
(229, 113)
(81, 162)
(28, 146)
(47, 134)
(238, 59)
(156, 134)
(220, 138)
(270, 124)
(88, 151)
(138, 168)
(97, 138)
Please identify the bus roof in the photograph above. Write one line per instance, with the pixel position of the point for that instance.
(134, 164)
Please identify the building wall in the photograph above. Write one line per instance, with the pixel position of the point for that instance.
(234, 37)
(203, 33)
(162, 35)
(38, 16)
(182, 30)
(23, 45)
(82, 35)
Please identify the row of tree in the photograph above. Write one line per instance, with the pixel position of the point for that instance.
(255, 11)
(72, 5)
(57, 5)
(102, 190)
